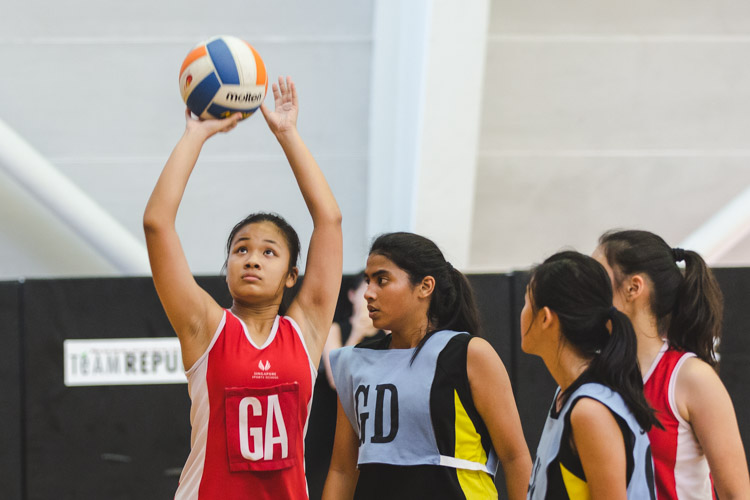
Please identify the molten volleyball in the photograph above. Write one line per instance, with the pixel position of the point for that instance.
(221, 76)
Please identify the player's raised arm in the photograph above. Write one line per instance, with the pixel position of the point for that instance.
(191, 311)
(314, 305)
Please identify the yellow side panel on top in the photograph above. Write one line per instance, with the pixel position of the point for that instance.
(474, 483)
(576, 487)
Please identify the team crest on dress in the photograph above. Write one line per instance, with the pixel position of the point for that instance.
(265, 371)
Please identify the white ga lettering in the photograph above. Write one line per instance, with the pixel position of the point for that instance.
(273, 415)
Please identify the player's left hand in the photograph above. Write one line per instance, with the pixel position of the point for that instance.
(284, 117)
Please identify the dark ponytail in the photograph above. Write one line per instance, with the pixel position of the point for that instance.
(688, 306)
(578, 290)
(452, 306)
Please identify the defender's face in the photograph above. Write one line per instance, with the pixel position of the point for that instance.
(391, 297)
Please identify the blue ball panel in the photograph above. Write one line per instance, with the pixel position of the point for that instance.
(201, 95)
(223, 62)
(222, 112)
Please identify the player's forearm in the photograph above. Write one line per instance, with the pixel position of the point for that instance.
(339, 485)
(312, 183)
(517, 474)
(162, 206)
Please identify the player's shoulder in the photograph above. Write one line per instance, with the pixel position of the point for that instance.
(696, 374)
(588, 412)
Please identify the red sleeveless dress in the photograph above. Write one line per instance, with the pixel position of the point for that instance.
(250, 406)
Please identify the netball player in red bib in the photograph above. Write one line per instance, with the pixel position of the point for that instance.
(250, 371)
(677, 319)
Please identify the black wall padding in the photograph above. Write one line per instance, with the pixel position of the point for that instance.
(11, 478)
(734, 366)
(114, 442)
(493, 294)
(130, 442)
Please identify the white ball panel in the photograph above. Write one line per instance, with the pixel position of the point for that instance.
(244, 59)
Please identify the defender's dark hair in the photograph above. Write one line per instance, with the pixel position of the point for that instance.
(688, 306)
(452, 306)
(290, 235)
(578, 290)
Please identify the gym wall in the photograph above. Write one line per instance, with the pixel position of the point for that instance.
(130, 441)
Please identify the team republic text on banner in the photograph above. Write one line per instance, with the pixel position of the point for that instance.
(123, 362)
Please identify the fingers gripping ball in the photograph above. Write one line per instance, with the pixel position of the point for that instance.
(221, 76)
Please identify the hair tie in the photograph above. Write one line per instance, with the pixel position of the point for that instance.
(679, 254)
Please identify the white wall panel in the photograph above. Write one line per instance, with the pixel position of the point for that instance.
(601, 114)
(529, 208)
(697, 17)
(124, 100)
(34, 242)
(222, 192)
(616, 96)
(738, 257)
(183, 19)
(94, 89)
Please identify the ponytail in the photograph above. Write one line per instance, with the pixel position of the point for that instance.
(688, 308)
(452, 306)
(578, 290)
(698, 310)
(614, 367)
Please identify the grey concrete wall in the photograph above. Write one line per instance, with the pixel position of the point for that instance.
(603, 114)
(93, 86)
(596, 114)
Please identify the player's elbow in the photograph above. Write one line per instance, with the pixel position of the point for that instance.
(334, 217)
(153, 223)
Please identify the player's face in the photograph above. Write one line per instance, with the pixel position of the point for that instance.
(392, 300)
(258, 263)
(618, 299)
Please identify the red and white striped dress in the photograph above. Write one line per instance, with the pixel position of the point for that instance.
(250, 406)
(680, 465)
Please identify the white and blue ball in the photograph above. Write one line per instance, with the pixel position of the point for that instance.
(222, 76)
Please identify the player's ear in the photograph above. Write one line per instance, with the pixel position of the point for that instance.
(426, 287)
(291, 277)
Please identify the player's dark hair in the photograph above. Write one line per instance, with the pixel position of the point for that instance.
(578, 290)
(688, 305)
(290, 235)
(452, 306)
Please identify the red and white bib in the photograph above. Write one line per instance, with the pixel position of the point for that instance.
(680, 466)
(250, 406)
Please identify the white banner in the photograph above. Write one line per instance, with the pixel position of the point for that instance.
(123, 362)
